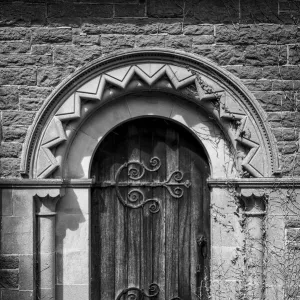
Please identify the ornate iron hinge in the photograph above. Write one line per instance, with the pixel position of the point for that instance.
(136, 171)
(134, 293)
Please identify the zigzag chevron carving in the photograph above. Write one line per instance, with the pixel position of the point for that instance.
(98, 89)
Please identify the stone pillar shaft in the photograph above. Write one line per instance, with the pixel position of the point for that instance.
(254, 213)
(45, 211)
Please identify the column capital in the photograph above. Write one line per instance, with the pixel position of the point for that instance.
(253, 201)
(46, 205)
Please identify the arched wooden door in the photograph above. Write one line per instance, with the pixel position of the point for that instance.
(150, 214)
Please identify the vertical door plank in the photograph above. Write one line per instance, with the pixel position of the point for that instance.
(121, 247)
(147, 216)
(196, 198)
(107, 239)
(171, 264)
(185, 225)
(134, 218)
(206, 225)
(95, 245)
(159, 150)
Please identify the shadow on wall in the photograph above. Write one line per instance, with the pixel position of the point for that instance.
(71, 241)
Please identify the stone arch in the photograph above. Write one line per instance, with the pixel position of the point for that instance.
(205, 90)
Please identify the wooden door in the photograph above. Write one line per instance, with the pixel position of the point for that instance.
(150, 214)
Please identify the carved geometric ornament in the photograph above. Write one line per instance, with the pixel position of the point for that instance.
(156, 76)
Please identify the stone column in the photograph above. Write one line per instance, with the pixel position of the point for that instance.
(254, 212)
(45, 212)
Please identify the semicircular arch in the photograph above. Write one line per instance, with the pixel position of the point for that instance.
(218, 95)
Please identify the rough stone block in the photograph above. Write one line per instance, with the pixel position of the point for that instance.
(17, 33)
(281, 72)
(257, 33)
(10, 150)
(129, 10)
(17, 235)
(85, 40)
(14, 295)
(14, 47)
(198, 29)
(287, 147)
(21, 60)
(19, 13)
(285, 134)
(31, 104)
(9, 262)
(163, 9)
(286, 85)
(52, 76)
(14, 133)
(110, 42)
(246, 72)
(75, 56)
(290, 165)
(258, 85)
(9, 279)
(276, 101)
(59, 10)
(8, 98)
(170, 28)
(34, 92)
(51, 35)
(254, 11)
(286, 119)
(294, 57)
(11, 118)
(179, 42)
(292, 223)
(263, 55)
(201, 12)
(18, 76)
(6, 202)
(122, 27)
(221, 54)
(10, 167)
(150, 41)
(43, 49)
(293, 235)
(203, 39)
(64, 21)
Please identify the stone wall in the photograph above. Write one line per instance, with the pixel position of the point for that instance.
(43, 42)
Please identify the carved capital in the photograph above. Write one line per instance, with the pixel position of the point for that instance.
(253, 202)
(46, 206)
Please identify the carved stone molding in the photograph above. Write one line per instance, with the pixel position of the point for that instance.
(192, 78)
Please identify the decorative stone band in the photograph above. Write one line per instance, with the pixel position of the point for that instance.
(193, 78)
